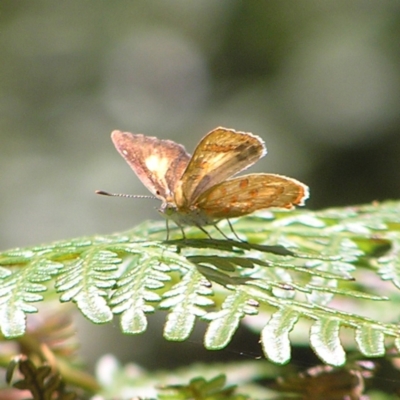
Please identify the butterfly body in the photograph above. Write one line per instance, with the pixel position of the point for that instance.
(200, 189)
(186, 216)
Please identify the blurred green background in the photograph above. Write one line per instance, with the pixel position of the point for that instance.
(318, 80)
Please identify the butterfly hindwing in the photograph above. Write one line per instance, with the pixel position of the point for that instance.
(248, 193)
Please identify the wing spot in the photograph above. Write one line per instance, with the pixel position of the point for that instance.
(253, 192)
(244, 183)
(157, 164)
(223, 191)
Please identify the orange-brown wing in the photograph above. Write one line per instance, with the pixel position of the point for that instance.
(221, 154)
(159, 164)
(246, 194)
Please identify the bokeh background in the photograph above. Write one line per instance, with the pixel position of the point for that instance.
(318, 80)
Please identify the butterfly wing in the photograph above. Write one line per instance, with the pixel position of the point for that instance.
(221, 154)
(246, 194)
(159, 164)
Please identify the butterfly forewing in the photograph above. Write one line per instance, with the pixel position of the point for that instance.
(221, 154)
(159, 164)
(246, 194)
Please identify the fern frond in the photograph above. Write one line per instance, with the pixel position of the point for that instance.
(40, 381)
(179, 383)
(202, 389)
(20, 286)
(255, 379)
(186, 300)
(224, 323)
(294, 266)
(389, 264)
(136, 288)
(86, 280)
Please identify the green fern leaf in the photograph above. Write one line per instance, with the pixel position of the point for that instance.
(84, 281)
(371, 341)
(143, 274)
(19, 288)
(389, 264)
(292, 267)
(201, 389)
(225, 322)
(325, 340)
(186, 300)
(275, 335)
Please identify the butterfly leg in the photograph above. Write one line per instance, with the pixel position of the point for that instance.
(178, 225)
(233, 231)
(167, 226)
(183, 232)
(220, 231)
(204, 231)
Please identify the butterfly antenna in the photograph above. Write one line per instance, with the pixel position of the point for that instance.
(134, 196)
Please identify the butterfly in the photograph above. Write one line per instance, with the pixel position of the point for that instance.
(201, 189)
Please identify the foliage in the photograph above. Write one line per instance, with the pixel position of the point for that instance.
(39, 381)
(290, 267)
